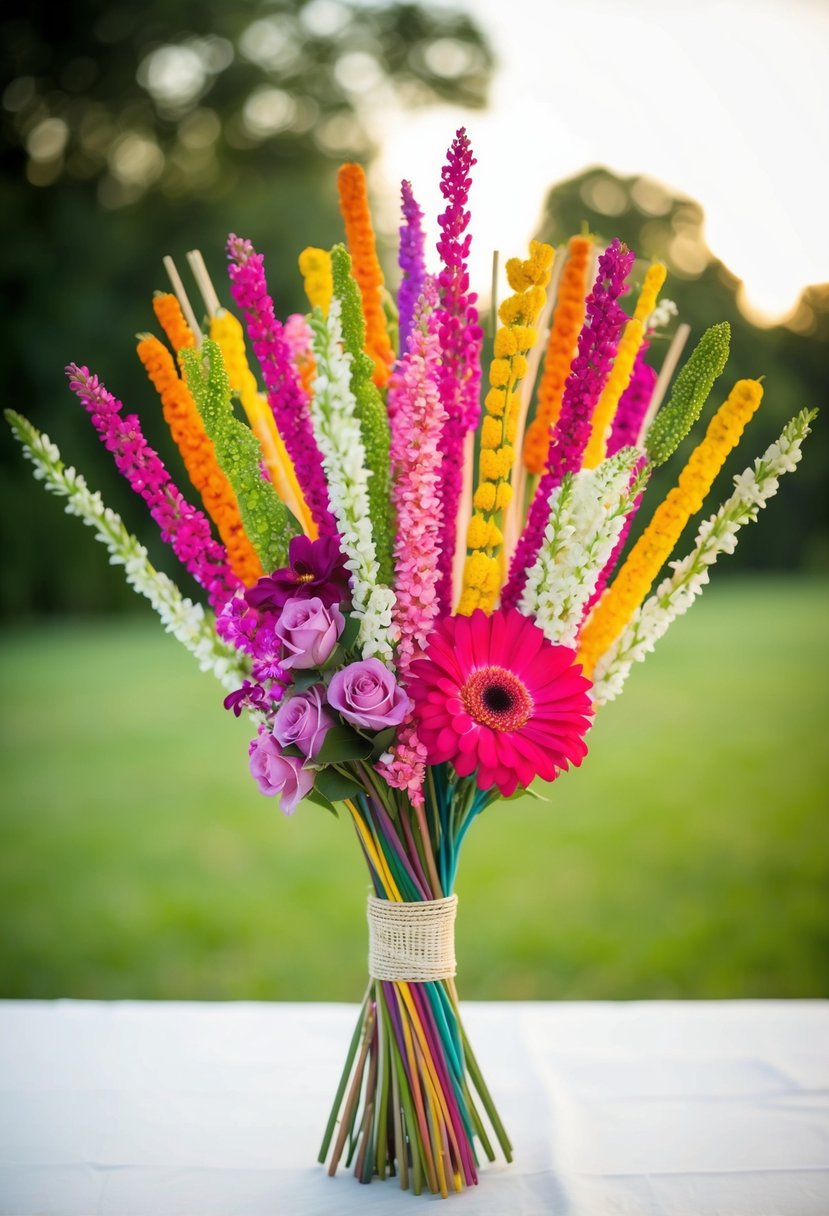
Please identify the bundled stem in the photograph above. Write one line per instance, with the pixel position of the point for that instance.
(407, 1102)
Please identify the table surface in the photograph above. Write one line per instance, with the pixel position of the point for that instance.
(143, 1109)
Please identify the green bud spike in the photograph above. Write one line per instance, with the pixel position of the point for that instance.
(689, 393)
(267, 522)
(370, 410)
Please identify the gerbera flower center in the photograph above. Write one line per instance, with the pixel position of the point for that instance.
(497, 698)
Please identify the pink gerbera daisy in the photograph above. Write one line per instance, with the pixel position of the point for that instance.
(492, 694)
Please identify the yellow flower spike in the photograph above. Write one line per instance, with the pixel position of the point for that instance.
(485, 496)
(647, 557)
(495, 402)
(503, 496)
(315, 268)
(649, 293)
(226, 331)
(622, 369)
(499, 372)
(489, 465)
(482, 574)
(491, 434)
(505, 343)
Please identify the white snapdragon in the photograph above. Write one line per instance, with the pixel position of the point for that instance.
(587, 514)
(180, 616)
(662, 315)
(718, 534)
(337, 431)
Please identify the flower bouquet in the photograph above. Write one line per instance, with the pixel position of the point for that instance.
(417, 588)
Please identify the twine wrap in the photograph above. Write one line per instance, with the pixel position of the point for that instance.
(413, 942)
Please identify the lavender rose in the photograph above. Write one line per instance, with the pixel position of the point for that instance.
(304, 721)
(308, 631)
(368, 695)
(278, 774)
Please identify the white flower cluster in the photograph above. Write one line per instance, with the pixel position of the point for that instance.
(337, 431)
(587, 514)
(662, 315)
(179, 615)
(718, 534)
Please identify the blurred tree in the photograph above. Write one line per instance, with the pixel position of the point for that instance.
(129, 131)
(791, 357)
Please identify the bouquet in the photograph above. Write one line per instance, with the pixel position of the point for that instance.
(418, 584)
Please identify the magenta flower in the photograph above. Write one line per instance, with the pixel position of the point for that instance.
(303, 720)
(182, 526)
(308, 631)
(460, 345)
(367, 695)
(633, 405)
(249, 696)
(317, 569)
(286, 395)
(597, 345)
(278, 774)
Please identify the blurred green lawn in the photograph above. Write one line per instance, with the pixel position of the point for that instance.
(688, 858)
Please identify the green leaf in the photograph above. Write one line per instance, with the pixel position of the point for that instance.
(292, 750)
(304, 678)
(335, 786)
(320, 800)
(382, 742)
(349, 635)
(335, 659)
(341, 743)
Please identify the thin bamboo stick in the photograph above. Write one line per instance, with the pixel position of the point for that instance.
(182, 297)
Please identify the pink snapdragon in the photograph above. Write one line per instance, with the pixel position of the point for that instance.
(418, 416)
(286, 396)
(184, 527)
(416, 462)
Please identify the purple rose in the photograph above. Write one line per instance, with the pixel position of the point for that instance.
(308, 631)
(368, 695)
(304, 721)
(278, 774)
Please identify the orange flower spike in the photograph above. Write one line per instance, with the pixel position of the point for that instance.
(614, 610)
(568, 319)
(199, 457)
(171, 319)
(351, 183)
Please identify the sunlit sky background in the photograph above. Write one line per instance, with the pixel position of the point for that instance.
(723, 100)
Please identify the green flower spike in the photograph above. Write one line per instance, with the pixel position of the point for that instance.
(689, 394)
(267, 521)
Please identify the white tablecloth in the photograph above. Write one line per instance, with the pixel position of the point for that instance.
(138, 1109)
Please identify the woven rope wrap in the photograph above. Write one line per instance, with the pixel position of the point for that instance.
(414, 942)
